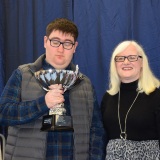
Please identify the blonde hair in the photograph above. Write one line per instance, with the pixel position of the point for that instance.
(147, 81)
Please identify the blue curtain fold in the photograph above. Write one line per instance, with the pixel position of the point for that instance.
(25, 24)
(3, 130)
(2, 76)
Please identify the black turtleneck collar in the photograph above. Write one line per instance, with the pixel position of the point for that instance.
(129, 86)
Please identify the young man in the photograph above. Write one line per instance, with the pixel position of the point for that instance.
(24, 103)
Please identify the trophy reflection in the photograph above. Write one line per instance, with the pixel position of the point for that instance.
(57, 120)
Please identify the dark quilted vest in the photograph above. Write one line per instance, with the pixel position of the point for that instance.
(27, 142)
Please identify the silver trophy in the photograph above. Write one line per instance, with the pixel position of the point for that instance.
(57, 120)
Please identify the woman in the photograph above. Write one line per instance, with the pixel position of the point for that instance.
(131, 106)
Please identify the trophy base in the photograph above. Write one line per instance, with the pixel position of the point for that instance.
(57, 123)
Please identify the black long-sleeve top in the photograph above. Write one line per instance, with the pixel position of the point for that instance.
(143, 122)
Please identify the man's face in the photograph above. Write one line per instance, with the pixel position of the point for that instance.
(59, 57)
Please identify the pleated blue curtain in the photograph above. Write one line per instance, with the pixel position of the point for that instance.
(145, 27)
(3, 130)
(1, 46)
(102, 25)
(105, 23)
(25, 25)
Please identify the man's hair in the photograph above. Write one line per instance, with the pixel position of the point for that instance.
(64, 25)
(147, 81)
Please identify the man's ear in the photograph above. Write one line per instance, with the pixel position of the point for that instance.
(45, 41)
(75, 46)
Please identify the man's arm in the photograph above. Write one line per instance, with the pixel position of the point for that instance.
(12, 110)
(98, 135)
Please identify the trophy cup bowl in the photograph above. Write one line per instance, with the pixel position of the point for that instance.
(57, 120)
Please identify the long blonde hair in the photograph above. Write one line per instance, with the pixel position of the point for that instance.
(147, 82)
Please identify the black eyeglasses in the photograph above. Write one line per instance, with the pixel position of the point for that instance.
(131, 58)
(66, 45)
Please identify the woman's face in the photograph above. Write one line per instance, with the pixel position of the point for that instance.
(129, 70)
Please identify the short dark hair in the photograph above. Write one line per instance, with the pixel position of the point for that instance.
(64, 25)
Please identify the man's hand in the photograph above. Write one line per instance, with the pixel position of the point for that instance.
(54, 96)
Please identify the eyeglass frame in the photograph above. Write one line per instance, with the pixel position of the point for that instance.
(61, 43)
(137, 56)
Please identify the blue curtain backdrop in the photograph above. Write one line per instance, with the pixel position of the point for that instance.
(102, 25)
(1, 46)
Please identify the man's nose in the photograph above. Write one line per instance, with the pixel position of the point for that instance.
(60, 48)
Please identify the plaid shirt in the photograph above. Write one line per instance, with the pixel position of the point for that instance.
(13, 112)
